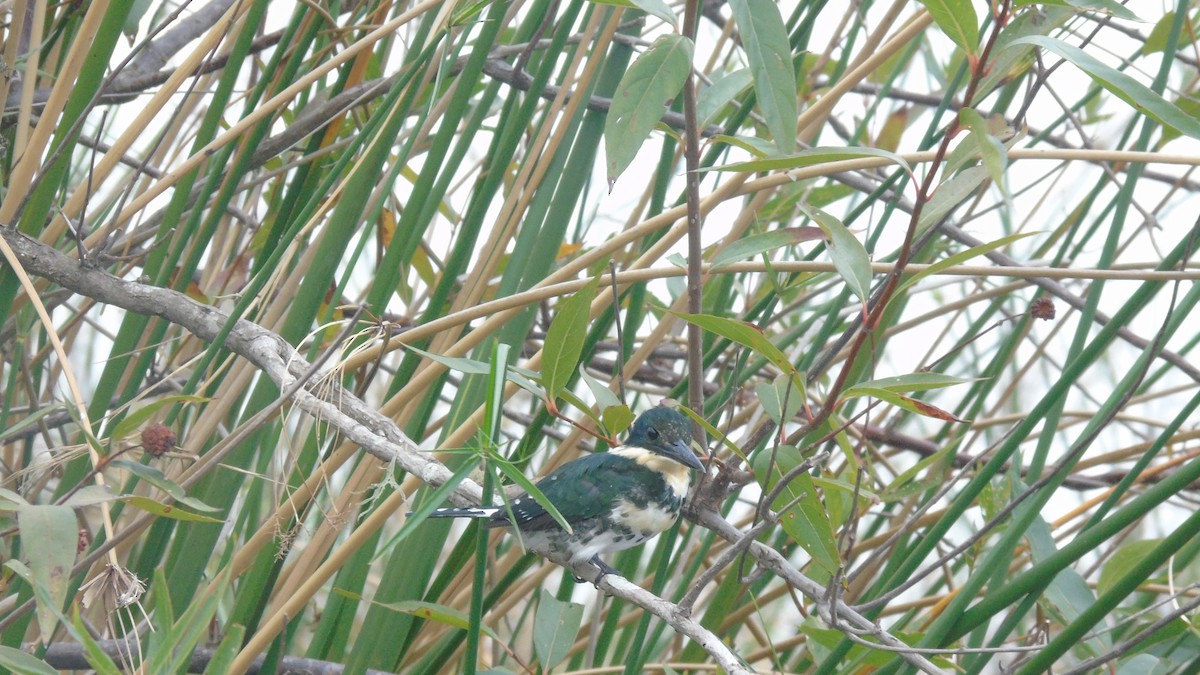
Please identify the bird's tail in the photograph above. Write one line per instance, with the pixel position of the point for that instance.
(473, 512)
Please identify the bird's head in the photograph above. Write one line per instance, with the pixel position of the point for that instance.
(665, 432)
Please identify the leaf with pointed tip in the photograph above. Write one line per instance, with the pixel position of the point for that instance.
(813, 157)
(742, 333)
(849, 257)
(958, 21)
(950, 194)
(156, 478)
(136, 418)
(462, 365)
(962, 257)
(993, 152)
(1139, 96)
(765, 39)
(748, 247)
(565, 339)
(11, 501)
(165, 510)
(902, 401)
(514, 474)
(912, 382)
(641, 99)
(713, 432)
(805, 520)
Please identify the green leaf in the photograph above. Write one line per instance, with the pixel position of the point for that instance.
(555, 626)
(950, 194)
(849, 257)
(813, 157)
(11, 501)
(765, 39)
(153, 476)
(713, 432)
(652, 7)
(166, 511)
(773, 396)
(712, 98)
(759, 147)
(742, 333)
(430, 611)
(32, 419)
(462, 365)
(958, 21)
(806, 522)
(748, 247)
(993, 152)
(604, 396)
(1111, 7)
(228, 650)
(901, 401)
(617, 418)
(913, 382)
(49, 536)
(962, 257)
(1139, 96)
(138, 417)
(1157, 40)
(565, 338)
(89, 495)
(641, 99)
(15, 661)
(1122, 561)
(514, 474)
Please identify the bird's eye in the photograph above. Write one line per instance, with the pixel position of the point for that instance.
(653, 434)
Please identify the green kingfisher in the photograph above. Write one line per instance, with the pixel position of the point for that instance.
(612, 500)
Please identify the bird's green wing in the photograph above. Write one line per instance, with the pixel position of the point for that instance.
(581, 489)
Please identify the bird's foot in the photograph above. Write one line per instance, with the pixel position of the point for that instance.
(604, 570)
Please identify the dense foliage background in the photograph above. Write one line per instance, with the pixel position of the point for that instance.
(925, 270)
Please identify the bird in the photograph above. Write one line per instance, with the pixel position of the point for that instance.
(612, 500)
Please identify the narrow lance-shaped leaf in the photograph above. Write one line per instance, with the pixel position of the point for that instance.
(652, 7)
(813, 157)
(1139, 96)
(742, 333)
(641, 99)
(765, 40)
(565, 338)
(849, 257)
(753, 245)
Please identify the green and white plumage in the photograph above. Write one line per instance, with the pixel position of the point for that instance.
(613, 500)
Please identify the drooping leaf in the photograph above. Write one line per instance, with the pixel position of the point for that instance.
(138, 417)
(641, 99)
(15, 661)
(462, 365)
(912, 382)
(166, 510)
(555, 627)
(1124, 86)
(617, 418)
(765, 40)
(748, 247)
(153, 476)
(901, 401)
(1128, 556)
(805, 521)
(849, 257)
(743, 334)
(993, 152)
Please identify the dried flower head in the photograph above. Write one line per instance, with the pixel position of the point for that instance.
(158, 440)
(1042, 308)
